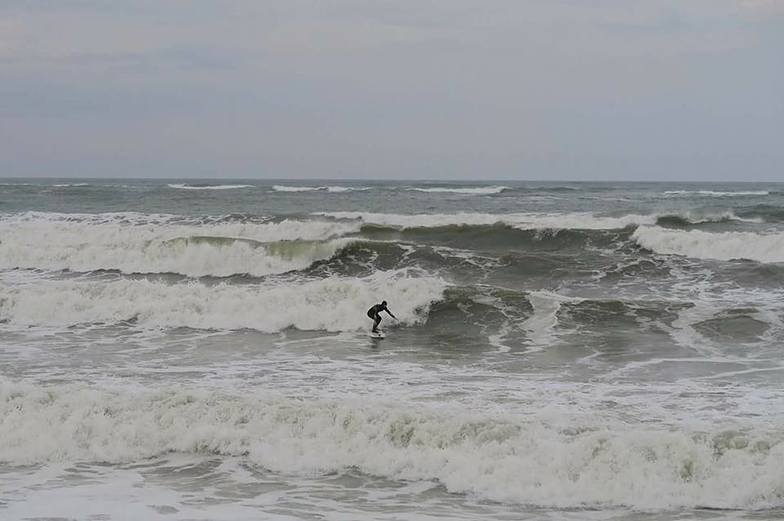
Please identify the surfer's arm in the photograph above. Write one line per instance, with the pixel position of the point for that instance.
(390, 314)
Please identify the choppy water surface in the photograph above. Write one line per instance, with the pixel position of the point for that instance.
(199, 350)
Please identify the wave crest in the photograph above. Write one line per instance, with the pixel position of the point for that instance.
(331, 189)
(200, 186)
(704, 245)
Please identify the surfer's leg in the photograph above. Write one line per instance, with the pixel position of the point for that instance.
(376, 321)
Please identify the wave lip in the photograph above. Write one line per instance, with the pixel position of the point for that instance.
(479, 190)
(493, 456)
(719, 246)
(199, 186)
(331, 304)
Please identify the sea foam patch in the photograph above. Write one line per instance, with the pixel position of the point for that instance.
(499, 457)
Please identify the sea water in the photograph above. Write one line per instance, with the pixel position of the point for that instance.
(178, 349)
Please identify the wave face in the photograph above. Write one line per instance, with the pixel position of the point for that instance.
(499, 458)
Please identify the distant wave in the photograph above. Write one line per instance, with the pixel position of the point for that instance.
(713, 193)
(480, 190)
(207, 187)
(523, 221)
(332, 189)
(683, 220)
(534, 221)
(69, 185)
(704, 245)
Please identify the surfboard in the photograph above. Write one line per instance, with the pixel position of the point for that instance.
(380, 334)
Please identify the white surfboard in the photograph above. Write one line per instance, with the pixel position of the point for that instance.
(379, 334)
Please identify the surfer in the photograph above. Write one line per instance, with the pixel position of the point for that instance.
(374, 311)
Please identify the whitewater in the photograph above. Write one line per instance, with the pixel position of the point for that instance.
(198, 349)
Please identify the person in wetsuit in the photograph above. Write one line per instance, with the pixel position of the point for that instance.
(374, 311)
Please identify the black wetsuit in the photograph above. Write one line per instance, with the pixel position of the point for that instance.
(373, 313)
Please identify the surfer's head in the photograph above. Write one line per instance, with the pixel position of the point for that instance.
(383, 302)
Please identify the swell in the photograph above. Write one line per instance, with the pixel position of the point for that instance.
(492, 456)
(499, 236)
(689, 219)
(765, 212)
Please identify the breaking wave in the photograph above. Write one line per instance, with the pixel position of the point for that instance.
(331, 304)
(704, 245)
(155, 244)
(493, 456)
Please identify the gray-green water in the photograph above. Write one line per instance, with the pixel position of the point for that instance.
(199, 350)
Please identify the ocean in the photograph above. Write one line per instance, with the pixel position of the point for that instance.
(199, 350)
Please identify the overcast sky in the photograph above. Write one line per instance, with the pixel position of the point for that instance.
(450, 89)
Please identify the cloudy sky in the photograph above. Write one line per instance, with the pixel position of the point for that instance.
(449, 89)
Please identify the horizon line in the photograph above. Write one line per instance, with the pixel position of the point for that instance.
(346, 179)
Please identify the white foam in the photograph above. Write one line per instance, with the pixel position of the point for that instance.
(705, 245)
(542, 323)
(714, 193)
(497, 456)
(339, 189)
(332, 189)
(157, 244)
(331, 304)
(184, 186)
(524, 221)
(284, 188)
(479, 190)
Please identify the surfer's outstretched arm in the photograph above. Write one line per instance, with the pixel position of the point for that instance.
(390, 314)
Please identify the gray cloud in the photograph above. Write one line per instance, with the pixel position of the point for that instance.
(531, 90)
